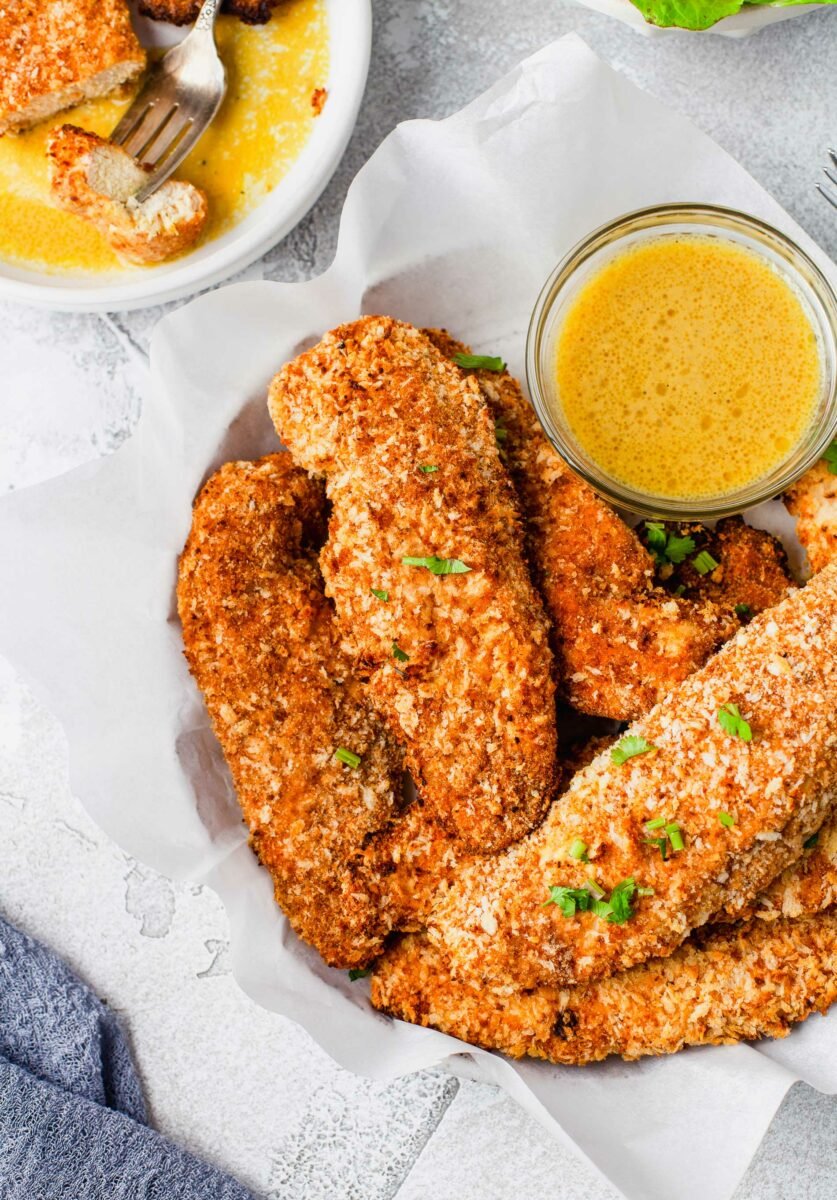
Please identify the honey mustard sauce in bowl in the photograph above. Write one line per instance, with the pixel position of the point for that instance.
(684, 361)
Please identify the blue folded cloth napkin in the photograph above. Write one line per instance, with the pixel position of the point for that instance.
(73, 1124)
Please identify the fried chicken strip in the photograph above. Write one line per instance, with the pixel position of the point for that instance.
(813, 501)
(726, 984)
(458, 663)
(752, 572)
(620, 642)
(262, 645)
(781, 672)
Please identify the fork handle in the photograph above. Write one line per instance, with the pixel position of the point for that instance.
(205, 20)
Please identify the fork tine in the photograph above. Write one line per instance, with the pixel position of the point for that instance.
(832, 154)
(167, 137)
(149, 128)
(829, 175)
(170, 162)
(146, 97)
(824, 192)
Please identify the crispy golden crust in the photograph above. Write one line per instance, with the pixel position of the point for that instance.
(167, 223)
(813, 500)
(184, 12)
(729, 984)
(474, 703)
(806, 886)
(620, 642)
(54, 54)
(752, 567)
(782, 672)
(263, 648)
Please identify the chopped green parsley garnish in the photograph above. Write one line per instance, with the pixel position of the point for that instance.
(500, 433)
(380, 594)
(437, 566)
(743, 611)
(726, 820)
(674, 835)
(579, 850)
(830, 457)
(359, 973)
(667, 547)
(704, 563)
(617, 908)
(428, 470)
(629, 747)
(348, 757)
(810, 842)
(398, 654)
(671, 837)
(732, 722)
(479, 362)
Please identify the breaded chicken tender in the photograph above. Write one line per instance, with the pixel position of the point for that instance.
(780, 674)
(97, 181)
(813, 501)
(806, 886)
(726, 984)
(262, 645)
(58, 53)
(621, 643)
(425, 565)
(752, 571)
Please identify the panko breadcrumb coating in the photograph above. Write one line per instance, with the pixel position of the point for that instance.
(263, 647)
(458, 663)
(56, 53)
(752, 571)
(726, 984)
(781, 672)
(620, 642)
(97, 181)
(813, 500)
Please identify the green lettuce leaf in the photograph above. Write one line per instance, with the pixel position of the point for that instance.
(701, 14)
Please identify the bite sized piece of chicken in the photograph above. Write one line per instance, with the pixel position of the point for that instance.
(263, 647)
(751, 735)
(726, 984)
(736, 567)
(184, 12)
(620, 642)
(813, 501)
(425, 565)
(97, 181)
(55, 54)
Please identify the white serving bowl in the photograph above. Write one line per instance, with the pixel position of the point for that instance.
(739, 25)
(350, 35)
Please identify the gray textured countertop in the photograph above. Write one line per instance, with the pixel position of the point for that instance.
(246, 1089)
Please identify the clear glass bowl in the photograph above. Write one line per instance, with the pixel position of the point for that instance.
(590, 255)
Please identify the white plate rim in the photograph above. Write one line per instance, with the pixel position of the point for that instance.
(350, 41)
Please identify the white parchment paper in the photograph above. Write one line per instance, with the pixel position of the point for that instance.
(451, 223)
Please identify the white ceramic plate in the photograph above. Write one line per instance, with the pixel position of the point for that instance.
(740, 25)
(350, 32)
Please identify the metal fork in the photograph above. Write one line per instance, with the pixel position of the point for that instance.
(176, 103)
(830, 197)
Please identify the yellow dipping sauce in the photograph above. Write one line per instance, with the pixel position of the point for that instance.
(687, 367)
(266, 118)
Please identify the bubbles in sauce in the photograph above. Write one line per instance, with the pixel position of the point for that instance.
(687, 367)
